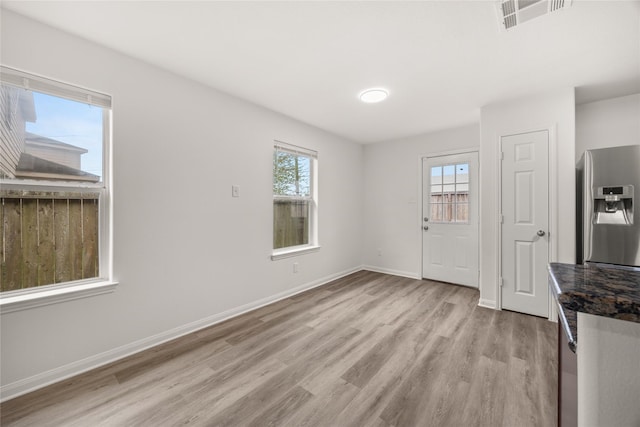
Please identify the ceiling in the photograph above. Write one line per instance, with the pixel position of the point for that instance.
(441, 61)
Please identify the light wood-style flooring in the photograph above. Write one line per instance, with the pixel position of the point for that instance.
(365, 350)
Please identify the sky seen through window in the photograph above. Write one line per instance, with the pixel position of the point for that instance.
(73, 123)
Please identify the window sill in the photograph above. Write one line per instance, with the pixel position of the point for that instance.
(25, 301)
(295, 251)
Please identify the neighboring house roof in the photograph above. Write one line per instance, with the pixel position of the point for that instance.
(37, 165)
(37, 156)
(31, 166)
(43, 141)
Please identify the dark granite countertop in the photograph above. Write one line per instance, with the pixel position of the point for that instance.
(596, 289)
(569, 321)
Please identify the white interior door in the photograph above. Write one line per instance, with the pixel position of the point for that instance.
(525, 222)
(450, 218)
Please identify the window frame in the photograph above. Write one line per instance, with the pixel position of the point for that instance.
(312, 245)
(21, 299)
(454, 203)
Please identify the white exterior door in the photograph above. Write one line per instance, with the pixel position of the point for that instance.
(525, 222)
(450, 218)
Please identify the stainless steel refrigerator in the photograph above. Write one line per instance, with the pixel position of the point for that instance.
(608, 221)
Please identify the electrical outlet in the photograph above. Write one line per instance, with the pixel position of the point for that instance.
(235, 191)
(379, 252)
(295, 267)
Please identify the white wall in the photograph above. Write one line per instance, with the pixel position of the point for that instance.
(556, 111)
(186, 252)
(608, 123)
(392, 197)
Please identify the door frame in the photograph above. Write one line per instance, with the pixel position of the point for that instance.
(553, 207)
(421, 200)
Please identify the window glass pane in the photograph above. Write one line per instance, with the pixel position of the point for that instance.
(448, 174)
(291, 174)
(448, 212)
(293, 190)
(290, 223)
(50, 138)
(462, 188)
(462, 212)
(52, 236)
(462, 198)
(449, 201)
(436, 175)
(436, 212)
(462, 172)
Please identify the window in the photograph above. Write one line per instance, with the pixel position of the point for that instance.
(450, 193)
(54, 191)
(294, 199)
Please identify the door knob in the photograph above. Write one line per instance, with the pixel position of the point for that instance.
(540, 233)
(426, 219)
(425, 228)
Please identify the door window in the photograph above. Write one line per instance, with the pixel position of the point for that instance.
(450, 193)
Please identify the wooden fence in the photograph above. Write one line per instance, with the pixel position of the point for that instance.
(290, 223)
(450, 207)
(48, 240)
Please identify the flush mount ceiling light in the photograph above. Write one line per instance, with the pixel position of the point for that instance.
(373, 95)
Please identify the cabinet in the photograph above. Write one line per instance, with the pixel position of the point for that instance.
(567, 382)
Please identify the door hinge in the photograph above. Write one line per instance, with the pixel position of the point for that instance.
(501, 218)
(501, 282)
(502, 155)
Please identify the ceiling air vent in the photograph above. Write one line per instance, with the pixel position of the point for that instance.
(515, 12)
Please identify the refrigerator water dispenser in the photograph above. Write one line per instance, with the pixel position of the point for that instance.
(613, 205)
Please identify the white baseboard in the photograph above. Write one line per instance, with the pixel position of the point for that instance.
(487, 303)
(18, 388)
(408, 274)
